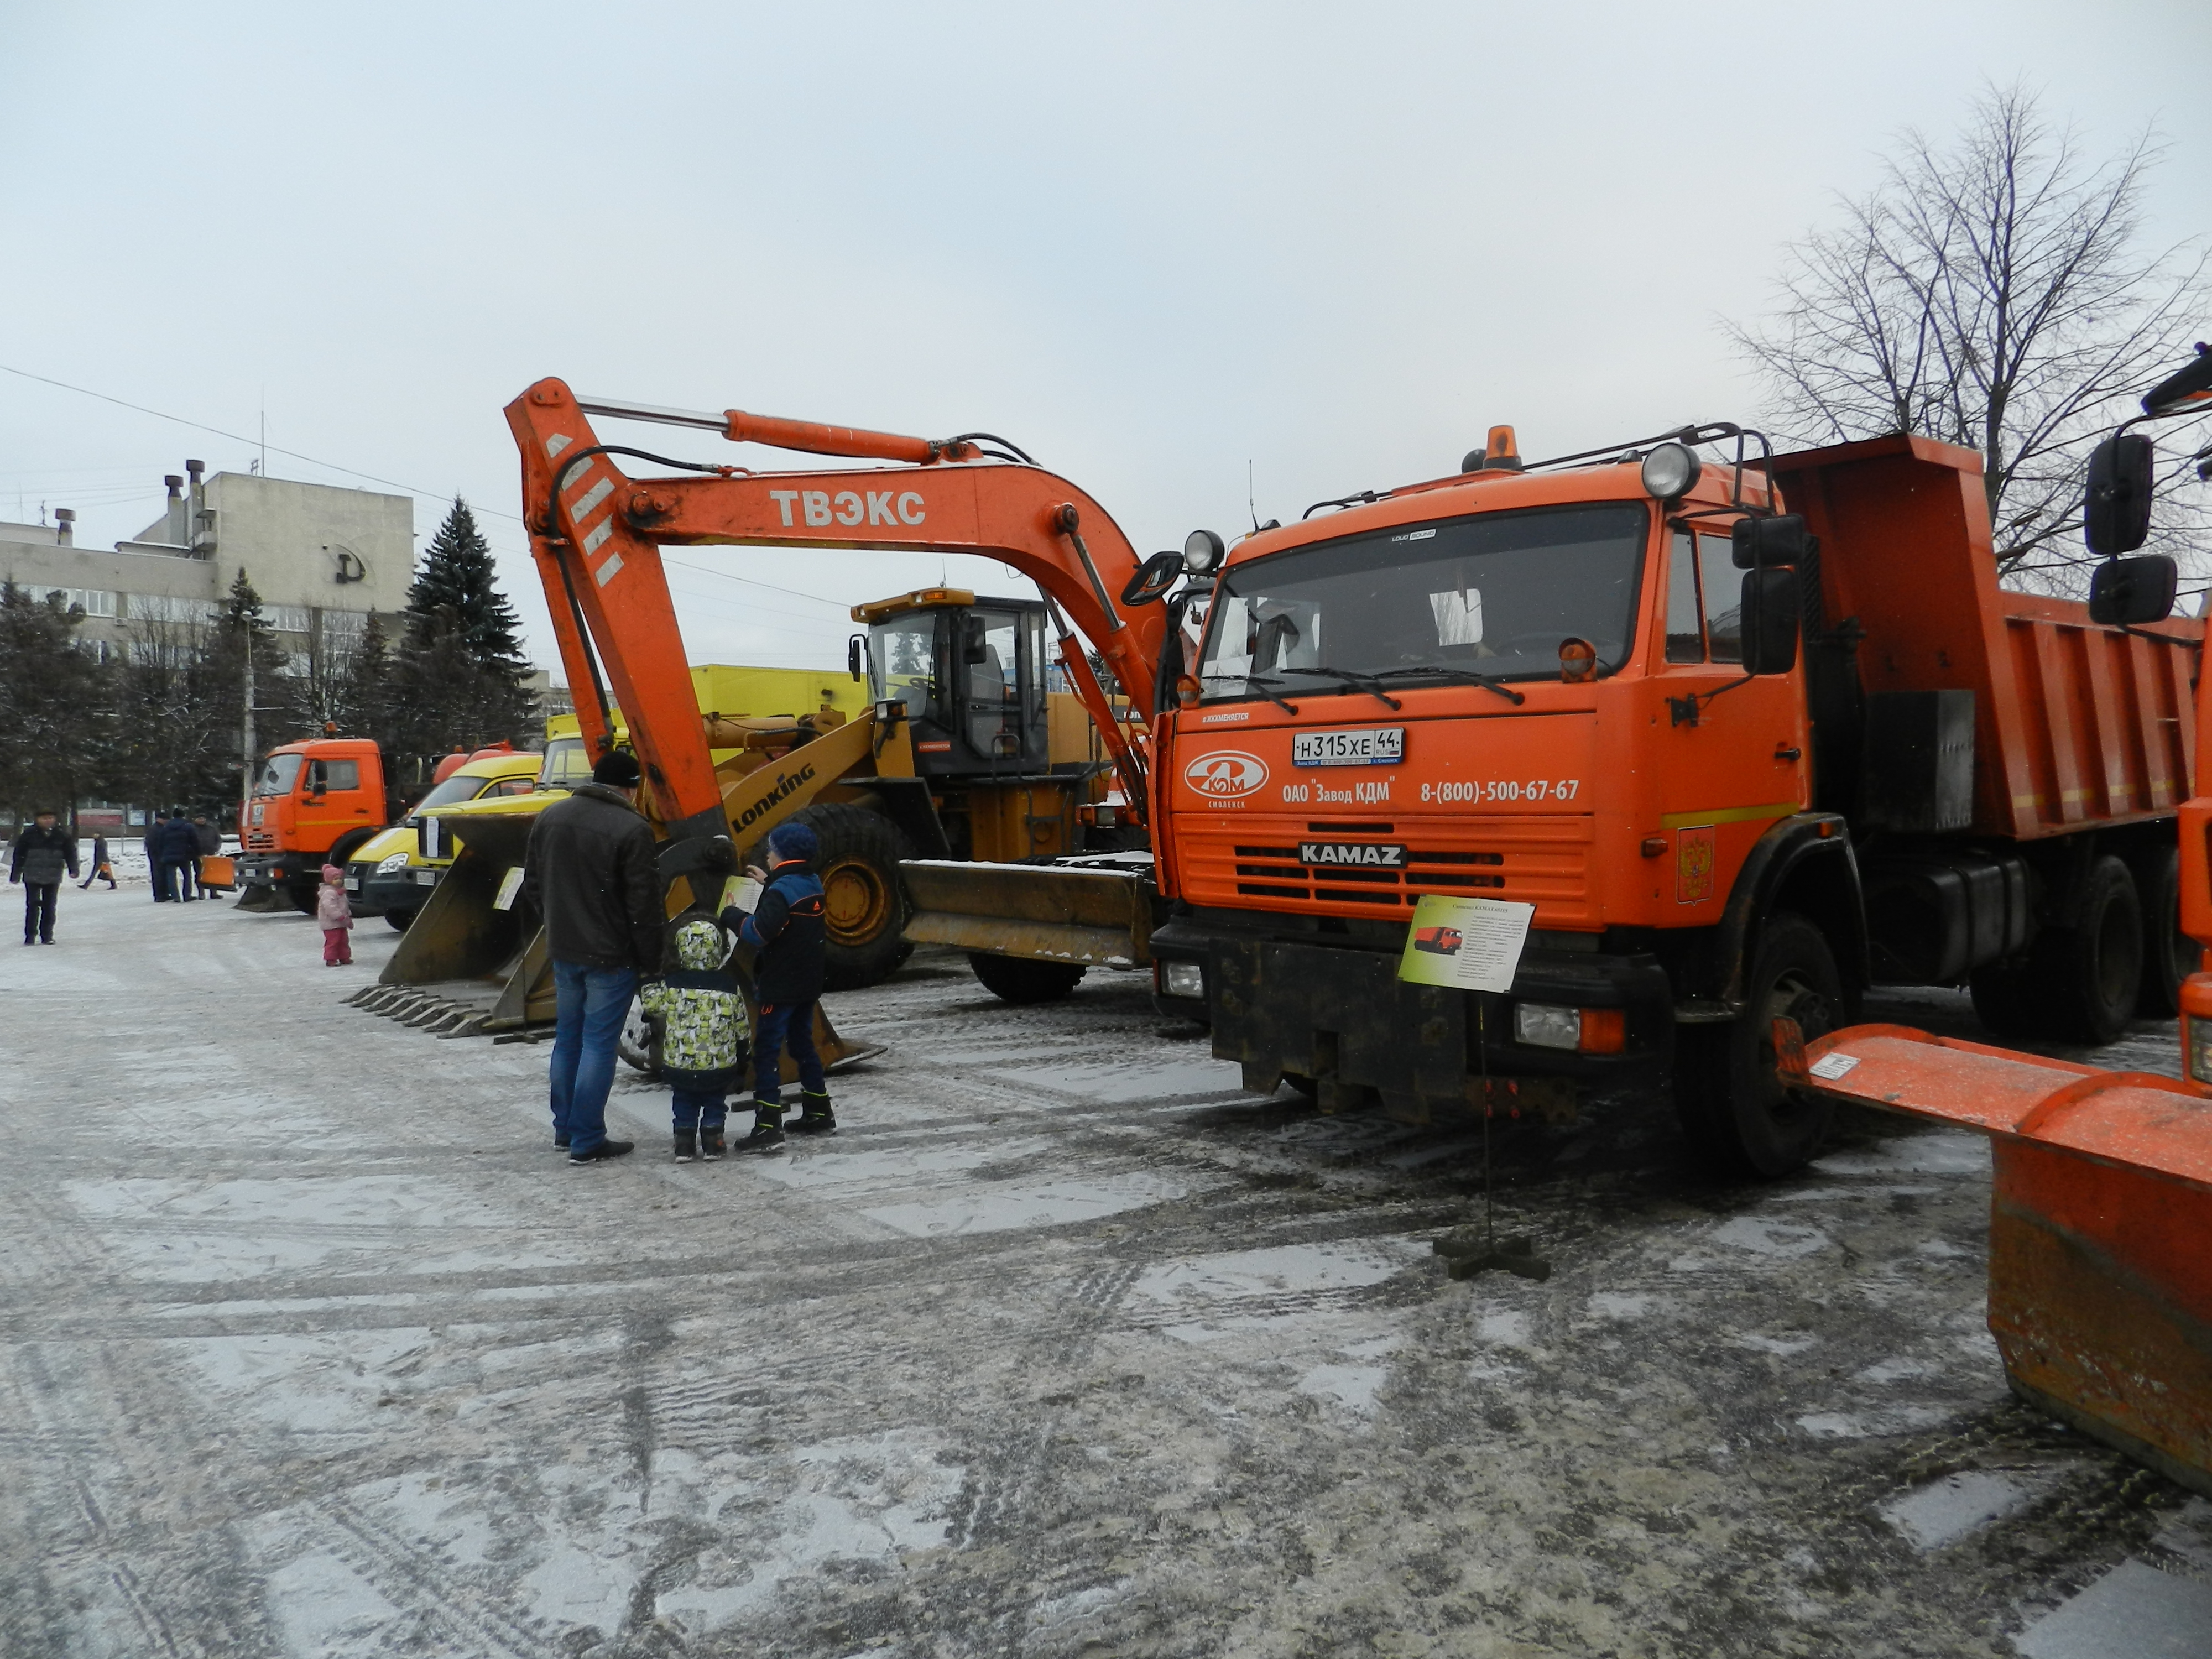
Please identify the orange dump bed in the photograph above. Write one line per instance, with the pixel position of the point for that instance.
(2074, 725)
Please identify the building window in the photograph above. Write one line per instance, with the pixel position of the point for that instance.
(168, 608)
(93, 601)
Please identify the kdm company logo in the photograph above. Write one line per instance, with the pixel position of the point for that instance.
(1226, 774)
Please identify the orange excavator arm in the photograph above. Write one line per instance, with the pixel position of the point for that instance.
(596, 533)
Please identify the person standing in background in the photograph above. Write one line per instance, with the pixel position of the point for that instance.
(209, 841)
(40, 854)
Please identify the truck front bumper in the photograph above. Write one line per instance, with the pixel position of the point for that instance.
(1336, 1016)
(381, 893)
(278, 870)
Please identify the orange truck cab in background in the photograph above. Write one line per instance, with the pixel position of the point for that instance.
(312, 804)
(1947, 784)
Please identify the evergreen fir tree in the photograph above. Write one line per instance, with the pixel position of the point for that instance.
(53, 694)
(458, 575)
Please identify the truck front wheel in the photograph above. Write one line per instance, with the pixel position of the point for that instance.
(1732, 1107)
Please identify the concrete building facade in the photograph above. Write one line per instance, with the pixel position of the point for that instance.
(320, 556)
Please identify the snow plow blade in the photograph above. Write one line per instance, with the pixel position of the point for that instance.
(2100, 1225)
(1098, 916)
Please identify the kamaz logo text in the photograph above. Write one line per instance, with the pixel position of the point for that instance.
(1226, 774)
(846, 507)
(784, 785)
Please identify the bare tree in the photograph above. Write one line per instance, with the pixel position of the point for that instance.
(1994, 295)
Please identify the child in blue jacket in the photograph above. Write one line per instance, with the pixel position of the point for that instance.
(787, 931)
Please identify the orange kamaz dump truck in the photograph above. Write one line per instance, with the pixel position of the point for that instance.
(1750, 737)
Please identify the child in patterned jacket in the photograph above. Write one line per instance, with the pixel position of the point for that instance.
(706, 1039)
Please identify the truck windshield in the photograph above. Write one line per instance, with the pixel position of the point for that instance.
(279, 775)
(454, 788)
(1492, 594)
(565, 765)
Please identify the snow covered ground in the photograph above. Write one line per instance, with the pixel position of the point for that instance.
(311, 1344)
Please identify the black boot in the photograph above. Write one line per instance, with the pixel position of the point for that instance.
(710, 1144)
(767, 1130)
(814, 1116)
(687, 1146)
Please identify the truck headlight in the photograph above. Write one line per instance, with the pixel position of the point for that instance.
(1542, 1025)
(390, 862)
(1182, 979)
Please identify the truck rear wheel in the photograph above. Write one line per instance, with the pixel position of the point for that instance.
(863, 906)
(2077, 984)
(1734, 1109)
(2170, 955)
(1016, 979)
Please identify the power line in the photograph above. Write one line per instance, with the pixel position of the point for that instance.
(202, 426)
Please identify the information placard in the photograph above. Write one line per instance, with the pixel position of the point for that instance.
(1471, 944)
(509, 885)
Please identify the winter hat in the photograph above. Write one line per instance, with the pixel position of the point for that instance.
(618, 769)
(330, 871)
(793, 841)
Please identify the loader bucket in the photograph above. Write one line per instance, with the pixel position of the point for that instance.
(1099, 917)
(458, 933)
(2100, 1225)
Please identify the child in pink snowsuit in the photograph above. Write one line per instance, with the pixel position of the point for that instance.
(335, 913)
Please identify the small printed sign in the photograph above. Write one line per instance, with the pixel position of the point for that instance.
(1380, 745)
(509, 885)
(1829, 1067)
(1471, 944)
(744, 892)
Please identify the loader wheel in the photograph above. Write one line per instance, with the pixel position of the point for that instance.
(1016, 979)
(864, 906)
(1734, 1109)
(2170, 955)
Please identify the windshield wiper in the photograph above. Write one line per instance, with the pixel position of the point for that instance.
(1357, 682)
(1462, 676)
(1253, 681)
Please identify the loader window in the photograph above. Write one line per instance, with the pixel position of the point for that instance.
(565, 765)
(902, 664)
(1492, 593)
(278, 776)
(991, 679)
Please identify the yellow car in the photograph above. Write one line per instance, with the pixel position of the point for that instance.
(389, 876)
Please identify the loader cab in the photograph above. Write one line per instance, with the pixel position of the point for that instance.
(969, 675)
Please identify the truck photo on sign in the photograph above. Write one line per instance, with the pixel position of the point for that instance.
(1469, 943)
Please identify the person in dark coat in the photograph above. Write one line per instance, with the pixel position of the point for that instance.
(170, 846)
(99, 866)
(790, 932)
(589, 870)
(40, 855)
(207, 841)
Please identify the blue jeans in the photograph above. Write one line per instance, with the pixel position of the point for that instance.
(164, 872)
(792, 1024)
(698, 1108)
(592, 1003)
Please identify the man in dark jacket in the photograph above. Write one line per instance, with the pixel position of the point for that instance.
(41, 853)
(171, 847)
(789, 931)
(207, 841)
(590, 872)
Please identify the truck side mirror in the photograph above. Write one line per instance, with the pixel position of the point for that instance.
(856, 656)
(2128, 593)
(2115, 513)
(1153, 579)
(1770, 621)
(1756, 544)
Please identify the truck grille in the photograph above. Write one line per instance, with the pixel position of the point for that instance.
(260, 841)
(1539, 860)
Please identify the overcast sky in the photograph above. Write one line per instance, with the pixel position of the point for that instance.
(1149, 244)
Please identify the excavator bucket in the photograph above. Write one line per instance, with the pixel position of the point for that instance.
(2100, 1225)
(1097, 913)
(467, 964)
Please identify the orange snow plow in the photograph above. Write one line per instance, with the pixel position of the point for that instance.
(2100, 1224)
(2100, 1207)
